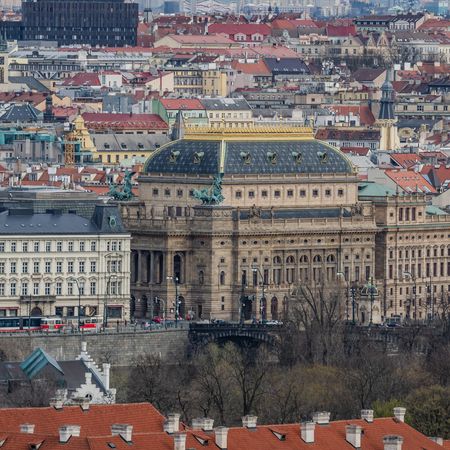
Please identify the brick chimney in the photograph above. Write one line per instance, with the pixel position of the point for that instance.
(179, 441)
(393, 442)
(321, 417)
(221, 437)
(249, 421)
(67, 431)
(399, 413)
(27, 428)
(172, 423)
(307, 432)
(123, 430)
(353, 435)
(367, 415)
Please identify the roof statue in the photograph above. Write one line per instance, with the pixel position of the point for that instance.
(126, 192)
(213, 194)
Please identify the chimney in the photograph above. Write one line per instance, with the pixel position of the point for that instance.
(84, 404)
(197, 423)
(208, 424)
(393, 442)
(123, 430)
(438, 440)
(249, 421)
(27, 428)
(367, 415)
(221, 437)
(307, 432)
(106, 371)
(57, 403)
(321, 417)
(172, 423)
(67, 431)
(179, 441)
(353, 435)
(202, 423)
(399, 413)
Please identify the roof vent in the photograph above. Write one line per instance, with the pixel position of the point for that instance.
(123, 430)
(321, 417)
(27, 428)
(57, 403)
(249, 421)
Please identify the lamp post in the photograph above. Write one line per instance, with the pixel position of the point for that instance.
(263, 285)
(79, 301)
(175, 280)
(353, 292)
(413, 279)
(342, 275)
(105, 307)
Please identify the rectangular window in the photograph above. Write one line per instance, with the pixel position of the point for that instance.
(24, 289)
(113, 246)
(70, 311)
(12, 288)
(315, 193)
(24, 267)
(48, 246)
(2, 267)
(13, 247)
(93, 288)
(2, 247)
(264, 194)
(59, 266)
(48, 267)
(302, 193)
(2, 289)
(340, 192)
(58, 289)
(69, 246)
(290, 193)
(93, 246)
(25, 247)
(59, 246)
(93, 266)
(413, 214)
(36, 247)
(277, 194)
(59, 311)
(70, 266)
(81, 267)
(400, 214)
(13, 267)
(82, 246)
(69, 289)
(47, 288)
(36, 288)
(367, 272)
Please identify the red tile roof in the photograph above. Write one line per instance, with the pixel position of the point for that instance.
(201, 39)
(410, 181)
(341, 30)
(362, 111)
(96, 421)
(182, 103)
(124, 121)
(361, 151)
(406, 160)
(257, 68)
(83, 79)
(231, 29)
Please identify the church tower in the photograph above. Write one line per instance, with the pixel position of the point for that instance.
(387, 121)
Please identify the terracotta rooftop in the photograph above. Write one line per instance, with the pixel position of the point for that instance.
(124, 121)
(410, 181)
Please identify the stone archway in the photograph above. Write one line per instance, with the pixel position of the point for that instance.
(36, 312)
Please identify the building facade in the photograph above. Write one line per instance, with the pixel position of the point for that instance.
(111, 23)
(61, 263)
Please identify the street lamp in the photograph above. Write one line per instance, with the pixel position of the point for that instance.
(263, 285)
(105, 307)
(342, 274)
(79, 300)
(175, 280)
(413, 278)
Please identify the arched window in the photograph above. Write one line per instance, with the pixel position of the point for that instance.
(274, 308)
(277, 260)
(201, 277)
(222, 278)
(317, 259)
(303, 259)
(331, 258)
(290, 260)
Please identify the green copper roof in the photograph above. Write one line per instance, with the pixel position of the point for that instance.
(435, 211)
(37, 361)
(371, 189)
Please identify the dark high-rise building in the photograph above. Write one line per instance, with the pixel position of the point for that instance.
(111, 23)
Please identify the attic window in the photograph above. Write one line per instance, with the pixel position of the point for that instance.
(201, 440)
(123, 145)
(297, 157)
(140, 145)
(246, 158)
(279, 436)
(106, 146)
(111, 445)
(323, 157)
(272, 157)
(198, 156)
(174, 157)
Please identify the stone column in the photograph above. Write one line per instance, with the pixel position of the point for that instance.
(139, 267)
(152, 268)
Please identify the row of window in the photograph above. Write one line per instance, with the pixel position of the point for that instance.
(415, 271)
(290, 193)
(59, 246)
(303, 259)
(35, 267)
(48, 288)
(412, 253)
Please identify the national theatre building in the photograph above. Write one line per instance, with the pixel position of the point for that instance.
(233, 220)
